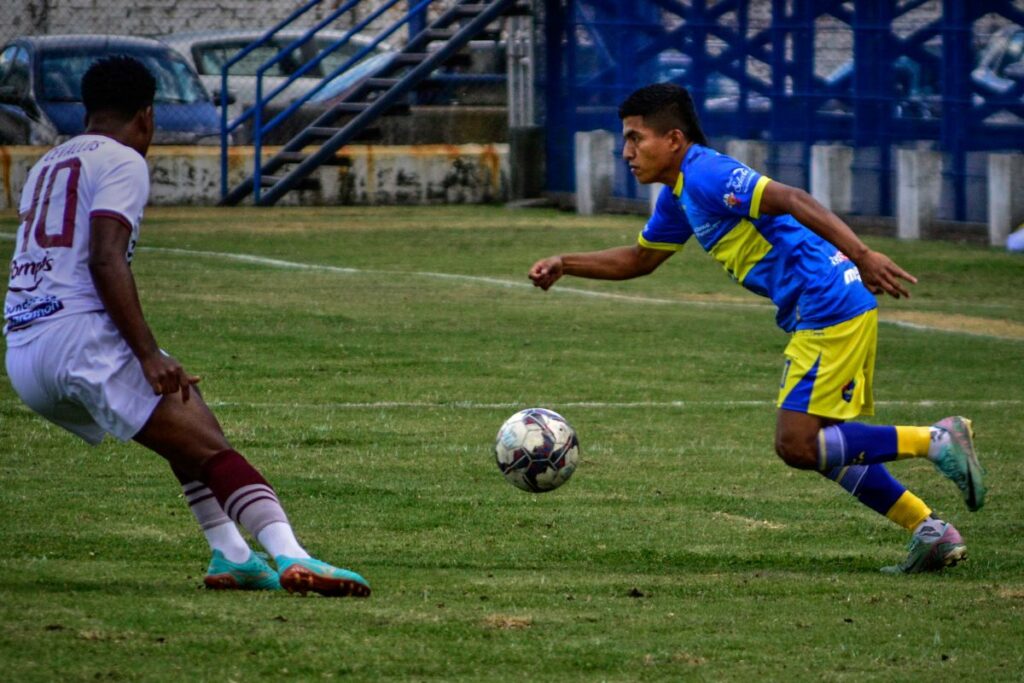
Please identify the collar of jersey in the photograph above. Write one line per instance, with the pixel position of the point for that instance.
(681, 180)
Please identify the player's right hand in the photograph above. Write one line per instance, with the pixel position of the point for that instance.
(882, 276)
(545, 272)
(166, 375)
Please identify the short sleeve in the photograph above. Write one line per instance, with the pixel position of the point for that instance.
(28, 194)
(724, 186)
(122, 190)
(667, 228)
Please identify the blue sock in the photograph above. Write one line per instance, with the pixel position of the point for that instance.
(873, 486)
(854, 443)
(870, 484)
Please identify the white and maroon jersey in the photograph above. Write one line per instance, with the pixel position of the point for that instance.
(87, 176)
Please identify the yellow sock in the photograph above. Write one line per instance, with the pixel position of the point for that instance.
(909, 511)
(913, 442)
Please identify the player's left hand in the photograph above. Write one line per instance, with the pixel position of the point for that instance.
(166, 375)
(881, 275)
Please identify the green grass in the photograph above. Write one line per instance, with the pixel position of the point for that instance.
(682, 548)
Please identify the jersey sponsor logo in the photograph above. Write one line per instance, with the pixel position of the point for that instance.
(27, 312)
(27, 275)
(837, 258)
(731, 200)
(850, 276)
(739, 179)
(704, 230)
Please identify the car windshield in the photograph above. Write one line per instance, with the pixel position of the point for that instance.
(210, 58)
(175, 83)
(341, 55)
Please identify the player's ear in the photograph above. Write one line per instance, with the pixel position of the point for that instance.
(148, 120)
(144, 126)
(678, 138)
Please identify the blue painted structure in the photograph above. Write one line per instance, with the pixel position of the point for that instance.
(598, 51)
(365, 87)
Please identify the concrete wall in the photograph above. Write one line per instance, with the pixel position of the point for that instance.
(158, 17)
(833, 39)
(365, 174)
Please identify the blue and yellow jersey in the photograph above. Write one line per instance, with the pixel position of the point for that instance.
(718, 199)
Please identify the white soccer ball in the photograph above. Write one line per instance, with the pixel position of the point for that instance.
(537, 450)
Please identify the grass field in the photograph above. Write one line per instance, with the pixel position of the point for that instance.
(363, 359)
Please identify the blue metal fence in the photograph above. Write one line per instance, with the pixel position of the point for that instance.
(413, 19)
(901, 72)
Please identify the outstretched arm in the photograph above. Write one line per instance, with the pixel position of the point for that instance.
(878, 271)
(115, 284)
(618, 263)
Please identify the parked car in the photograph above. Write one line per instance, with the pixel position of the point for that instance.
(475, 77)
(208, 51)
(41, 99)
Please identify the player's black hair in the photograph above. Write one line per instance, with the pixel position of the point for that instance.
(665, 107)
(119, 84)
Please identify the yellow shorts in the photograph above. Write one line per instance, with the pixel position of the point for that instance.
(829, 372)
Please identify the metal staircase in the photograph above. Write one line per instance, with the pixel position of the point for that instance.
(383, 92)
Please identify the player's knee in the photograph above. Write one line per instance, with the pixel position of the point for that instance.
(797, 450)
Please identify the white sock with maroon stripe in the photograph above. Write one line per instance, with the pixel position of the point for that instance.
(279, 539)
(250, 501)
(221, 533)
(225, 538)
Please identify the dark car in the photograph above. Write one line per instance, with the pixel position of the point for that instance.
(41, 99)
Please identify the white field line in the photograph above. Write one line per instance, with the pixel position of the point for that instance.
(926, 328)
(294, 265)
(582, 405)
(499, 282)
(247, 258)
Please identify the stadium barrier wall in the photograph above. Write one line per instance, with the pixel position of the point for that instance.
(832, 176)
(1005, 200)
(364, 174)
(595, 170)
(919, 184)
(753, 153)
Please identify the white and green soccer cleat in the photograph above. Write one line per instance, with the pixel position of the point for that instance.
(253, 574)
(957, 461)
(933, 548)
(304, 575)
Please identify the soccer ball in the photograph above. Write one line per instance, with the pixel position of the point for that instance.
(537, 450)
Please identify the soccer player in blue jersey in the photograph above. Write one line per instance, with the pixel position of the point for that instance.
(778, 242)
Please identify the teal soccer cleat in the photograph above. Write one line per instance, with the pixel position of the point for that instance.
(958, 462)
(933, 548)
(302, 575)
(253, 574)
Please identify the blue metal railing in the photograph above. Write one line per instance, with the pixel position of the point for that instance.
(765, 52)
(260, 129)
(225, 128)
(414, 18)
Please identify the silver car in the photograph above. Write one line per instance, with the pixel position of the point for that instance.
(208, 51)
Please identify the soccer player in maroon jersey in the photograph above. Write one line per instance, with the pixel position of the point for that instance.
(80, 353)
